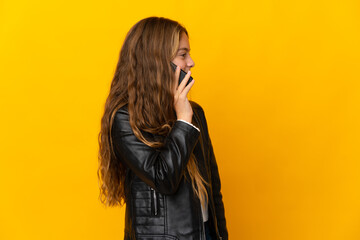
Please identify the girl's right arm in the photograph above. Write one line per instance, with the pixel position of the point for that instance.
(160, 169)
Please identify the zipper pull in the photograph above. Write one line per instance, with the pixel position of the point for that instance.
(153, 192)
(155, 203)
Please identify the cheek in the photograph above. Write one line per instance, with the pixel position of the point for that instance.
(183, 66)
(180, 63)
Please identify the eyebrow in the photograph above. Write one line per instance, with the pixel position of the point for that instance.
(184, 49)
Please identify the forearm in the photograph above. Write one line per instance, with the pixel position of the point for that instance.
(159, 168)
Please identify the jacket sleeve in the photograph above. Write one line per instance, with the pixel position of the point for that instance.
(216, 187)
(163, 168)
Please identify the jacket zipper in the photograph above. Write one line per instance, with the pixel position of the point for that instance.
(154, 200)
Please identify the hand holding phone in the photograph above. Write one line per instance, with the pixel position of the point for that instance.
(182, 74)
(182, 105)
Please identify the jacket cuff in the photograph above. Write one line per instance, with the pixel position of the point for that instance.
(189, 124)
(191, 134)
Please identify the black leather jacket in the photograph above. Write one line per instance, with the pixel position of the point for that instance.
(160, 202)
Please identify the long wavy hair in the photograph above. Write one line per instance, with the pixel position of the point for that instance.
(144, 80)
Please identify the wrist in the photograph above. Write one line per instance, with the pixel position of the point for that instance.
(184, 119)
(188, 122)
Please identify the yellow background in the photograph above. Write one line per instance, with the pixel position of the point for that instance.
(279, 83)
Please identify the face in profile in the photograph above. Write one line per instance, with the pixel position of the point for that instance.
(183, 59)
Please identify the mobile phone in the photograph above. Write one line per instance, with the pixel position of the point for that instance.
(182, 74)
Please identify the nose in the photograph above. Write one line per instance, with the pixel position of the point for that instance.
(190, 63)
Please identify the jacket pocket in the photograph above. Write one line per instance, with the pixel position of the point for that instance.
(154, 202)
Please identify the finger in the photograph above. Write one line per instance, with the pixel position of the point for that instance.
(188, 87)
(177, 74)
(184, 81)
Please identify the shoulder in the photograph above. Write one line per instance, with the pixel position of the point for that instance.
(199, 115)
(196, 107)
(122, 111)
(121, 120)
(122, 114)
